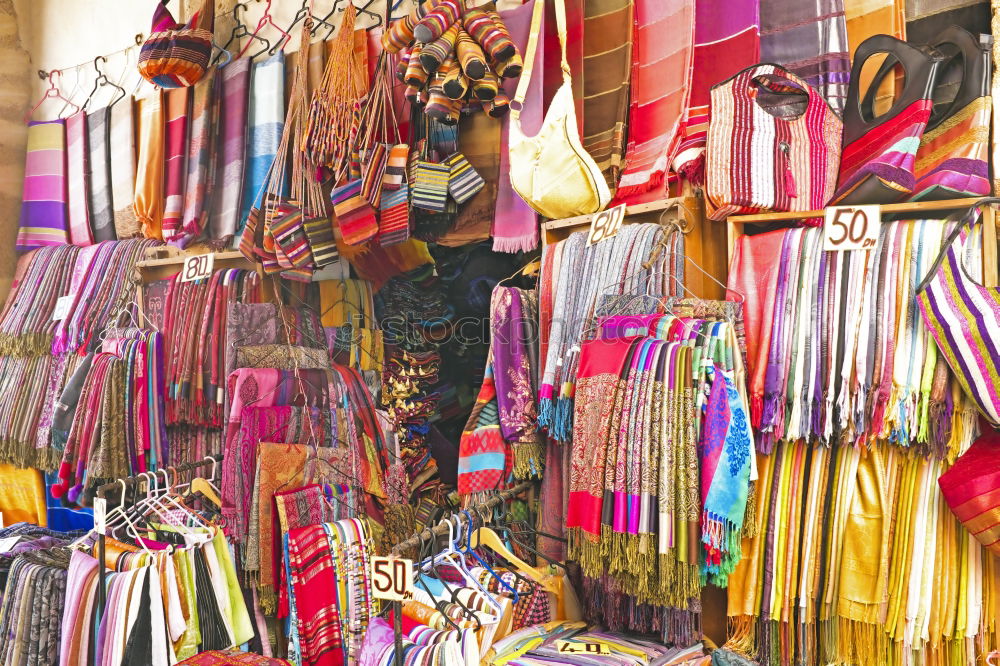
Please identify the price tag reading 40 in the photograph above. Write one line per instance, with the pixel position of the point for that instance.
(605, 224)
(392, 578)
(197, 267)
(851, 228)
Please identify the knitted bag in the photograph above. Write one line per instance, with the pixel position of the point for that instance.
(773, 144)
(176, 55)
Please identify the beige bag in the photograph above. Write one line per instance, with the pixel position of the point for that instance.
(552, 171)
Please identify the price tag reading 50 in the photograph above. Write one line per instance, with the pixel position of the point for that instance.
(851, 228)
(392, 578)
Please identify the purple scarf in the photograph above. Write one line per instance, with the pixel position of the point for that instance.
(512, 368)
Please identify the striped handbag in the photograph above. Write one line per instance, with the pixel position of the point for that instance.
(964, 318)
(953, 157)
(176, 55)
(773, 144)
(879, 153)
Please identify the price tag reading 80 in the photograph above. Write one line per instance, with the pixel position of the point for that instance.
(197, 267)
(605, 224)
(851, 228)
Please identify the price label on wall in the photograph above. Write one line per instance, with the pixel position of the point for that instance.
(851, 228)
(605, 224)
(576, 647)
(198, 267)
(392, 578)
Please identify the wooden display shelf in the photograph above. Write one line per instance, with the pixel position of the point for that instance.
(164, 262)
(705, 241)
(889, 209)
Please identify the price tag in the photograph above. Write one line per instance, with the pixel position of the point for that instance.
(576, 647)
(851, 228)
(605, 224)
(63, 304)
(197, 267)
(392, 578)
(101, 515)
(6, 545)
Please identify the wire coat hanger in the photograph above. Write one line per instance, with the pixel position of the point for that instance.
(52, 92)
(266, 20)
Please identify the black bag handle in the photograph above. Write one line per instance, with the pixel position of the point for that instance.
(920, 69)
(976, 68)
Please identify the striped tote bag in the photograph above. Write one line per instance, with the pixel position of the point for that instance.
(773, 144)
(964, 318)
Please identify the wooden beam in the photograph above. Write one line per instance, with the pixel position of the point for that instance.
(909, 207)
(639, 209)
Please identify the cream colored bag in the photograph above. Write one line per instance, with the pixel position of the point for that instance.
(552, 171)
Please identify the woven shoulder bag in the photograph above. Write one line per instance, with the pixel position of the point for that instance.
(177, 55)
(773, 144)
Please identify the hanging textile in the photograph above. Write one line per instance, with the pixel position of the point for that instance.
(175, 151)
(810, 40)
(266, 121)
(230, 150)
(201, 157)
(925, 20)
(123, 168)
(102, 214)
(78, 179)
(607, 66)
(149, 173)
(726, 41)
(43, 211)
(661, 70)
(515, 224)
(22, 496)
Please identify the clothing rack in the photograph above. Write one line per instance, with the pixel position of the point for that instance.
(132, 482)
(441, 530)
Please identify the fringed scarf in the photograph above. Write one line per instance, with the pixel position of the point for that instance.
(149, 174)
(726, 41)
(483, 453)
(661, 71)
(510, 311)
(607, 68)
(123, 168)
(725, 474)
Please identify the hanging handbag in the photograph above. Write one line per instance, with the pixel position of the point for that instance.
(970, 487)
(176, 55)
(773, 144)
(964, 318)
(879, 153)
(953, 158)
(552, 171)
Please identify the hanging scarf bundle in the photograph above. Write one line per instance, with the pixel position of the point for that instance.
(232, 101)
(194, 325)
(118, 428)
(266, 127)
(40, 279)
(44, 219)
(175, 148)
(640, 438)
(31, 614)
(857, 552)
(628, 264)
(202, 156)
(836, 347)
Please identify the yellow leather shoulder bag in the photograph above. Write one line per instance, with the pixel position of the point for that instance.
(552, 171)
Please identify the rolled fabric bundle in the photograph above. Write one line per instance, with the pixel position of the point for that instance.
(403, 62)
(510, 68)
(454, 82)
(414, 95)
(438, 104)
(400, 33)
(490, 34)
(470, 56)
(487, 87)
(434, 54)
(416, 75)
(498, 107)
(436, 21)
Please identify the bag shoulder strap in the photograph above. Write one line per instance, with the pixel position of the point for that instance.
(963, 217)
(532, 49)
